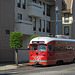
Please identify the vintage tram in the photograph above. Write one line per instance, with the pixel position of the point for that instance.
(48, 50)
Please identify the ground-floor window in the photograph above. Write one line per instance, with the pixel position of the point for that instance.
(66, 30)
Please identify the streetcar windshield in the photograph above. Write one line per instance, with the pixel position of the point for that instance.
(42, 48)
(34, 48)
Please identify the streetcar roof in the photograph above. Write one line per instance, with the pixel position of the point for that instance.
(49, 39)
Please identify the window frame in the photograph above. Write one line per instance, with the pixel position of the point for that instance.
(48, 10)
(67, 30)
(43, 6)
(19, 16)
(48, 26)
(33, 45)
(24, 4)
(43, 25)
(19, 3)
(51, 47)
(30, 19)
(7, 32)
(40, 3)
(34, 1)
(44, 46)
(40, 25)
(34, 26)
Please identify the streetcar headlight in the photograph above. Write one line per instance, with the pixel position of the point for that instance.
(37, 57)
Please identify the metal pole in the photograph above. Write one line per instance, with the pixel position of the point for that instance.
(56, 22)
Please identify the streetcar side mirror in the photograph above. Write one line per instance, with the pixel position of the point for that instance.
(28, 48)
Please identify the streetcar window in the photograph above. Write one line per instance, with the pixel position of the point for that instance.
(49, 47)
(34, 47)
(42, 48)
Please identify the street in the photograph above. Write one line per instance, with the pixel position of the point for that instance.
(66, 69)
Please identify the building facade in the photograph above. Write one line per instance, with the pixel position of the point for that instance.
(68, 19)
(30, 17)
(7, 24)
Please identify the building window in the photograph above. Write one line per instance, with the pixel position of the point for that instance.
(43, 25)
(66, 30)
(30, 18)
(34, 1)
(48, 27)
(48, 10)
(66, 16)
(24, 4)
(39, 2)
(34, 23)
(43, 8)
(19, 16)
(8, 32)
(19, 3)
(40, 25)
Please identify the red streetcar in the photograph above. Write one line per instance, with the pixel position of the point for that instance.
(48, 51)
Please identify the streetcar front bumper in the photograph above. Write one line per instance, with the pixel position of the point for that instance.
(40, 62)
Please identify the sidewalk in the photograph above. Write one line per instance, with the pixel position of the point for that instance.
(12, 66)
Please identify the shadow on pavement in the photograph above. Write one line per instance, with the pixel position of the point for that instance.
(8, 73)
(42, 66)
(4, 74)
(6, 63)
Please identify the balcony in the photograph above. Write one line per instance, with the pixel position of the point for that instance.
(25, 27)
(35, 10)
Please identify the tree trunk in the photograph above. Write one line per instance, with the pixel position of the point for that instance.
(17, 57)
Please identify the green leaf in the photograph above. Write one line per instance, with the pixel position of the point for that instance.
(16, 40)
(33, 37)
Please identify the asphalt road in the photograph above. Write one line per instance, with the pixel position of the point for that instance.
(66, 69)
